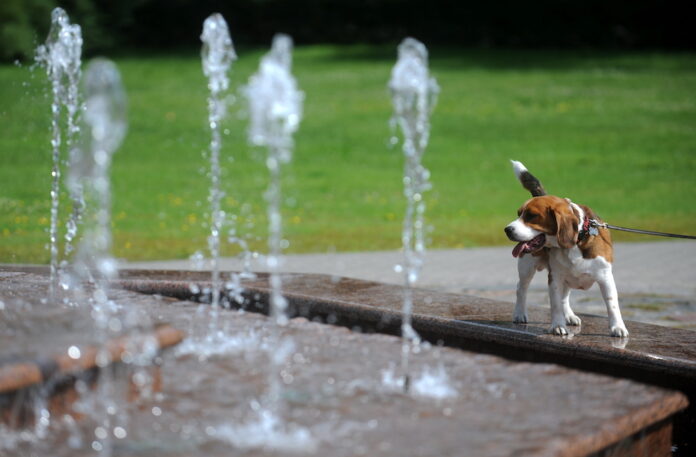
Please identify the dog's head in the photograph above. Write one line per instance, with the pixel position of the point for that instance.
(545, 221)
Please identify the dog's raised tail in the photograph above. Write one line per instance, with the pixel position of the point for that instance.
(527, 179)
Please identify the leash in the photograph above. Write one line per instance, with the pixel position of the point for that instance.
(595, 223)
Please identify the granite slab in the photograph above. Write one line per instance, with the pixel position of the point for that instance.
(337, 389)
(653, 354)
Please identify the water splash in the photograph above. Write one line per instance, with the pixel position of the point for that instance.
(429, 383)
(217, 55)
(268, 432)
(216, 344)
(414, 94)
(246, 255)
(61, 55)
(105, 127)
(275, 110)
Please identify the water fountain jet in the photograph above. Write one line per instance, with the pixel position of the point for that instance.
(275, 111)
(217, 55)
(105, 122)
(61, 56)
(414, 94)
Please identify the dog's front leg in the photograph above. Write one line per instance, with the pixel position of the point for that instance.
(556, 295)
(526, 267)
(611, 299)
(568, 314)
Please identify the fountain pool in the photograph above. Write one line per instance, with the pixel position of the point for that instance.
(333, 385)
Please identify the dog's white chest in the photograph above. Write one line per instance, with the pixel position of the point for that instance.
(584, 281)
(574, 270)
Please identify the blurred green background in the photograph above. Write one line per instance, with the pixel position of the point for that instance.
(609, 123)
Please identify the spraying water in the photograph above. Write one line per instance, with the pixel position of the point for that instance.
(104, 127)
(275, 111)
(414, 94)
(73, 107)
(61, 55)
(217, 55)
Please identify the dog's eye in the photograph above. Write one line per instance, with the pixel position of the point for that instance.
(530, 216)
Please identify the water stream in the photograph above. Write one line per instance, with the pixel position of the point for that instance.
(275, 111)
(105, 127)
(217, 55)
(61, 56)
(93, 267)
(414, 93)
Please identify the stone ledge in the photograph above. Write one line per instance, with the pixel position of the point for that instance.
(483, 325)
(656, 355)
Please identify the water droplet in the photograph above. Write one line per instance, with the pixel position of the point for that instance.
(100, 433)
(115, 325)
(120, 432)
(74, 352)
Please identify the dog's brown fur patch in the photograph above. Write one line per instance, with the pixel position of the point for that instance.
(554, 216)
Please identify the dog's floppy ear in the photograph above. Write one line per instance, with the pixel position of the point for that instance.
(567, 227)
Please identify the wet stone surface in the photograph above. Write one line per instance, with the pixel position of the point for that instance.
(31, 323)
(652, 354)
(338, 394)
(675, 311)
(675, 347)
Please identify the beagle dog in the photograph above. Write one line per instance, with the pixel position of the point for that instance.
(554, 233)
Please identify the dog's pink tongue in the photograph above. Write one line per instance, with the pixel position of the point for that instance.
(519, 249)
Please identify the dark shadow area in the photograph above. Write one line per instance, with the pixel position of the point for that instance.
(172, 24)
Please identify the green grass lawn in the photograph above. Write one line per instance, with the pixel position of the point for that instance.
(614, 131)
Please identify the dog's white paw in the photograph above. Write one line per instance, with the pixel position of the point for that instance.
(573, 320)
(558, 330)
(619, 331)
(519, 318)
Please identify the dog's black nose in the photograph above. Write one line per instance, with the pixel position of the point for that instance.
(509, 231)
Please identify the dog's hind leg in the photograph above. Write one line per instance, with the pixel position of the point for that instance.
(526, 267)
(570, 317)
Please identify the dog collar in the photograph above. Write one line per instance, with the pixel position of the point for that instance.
(588, 229)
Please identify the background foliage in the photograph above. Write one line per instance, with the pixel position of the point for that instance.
(122, 25)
